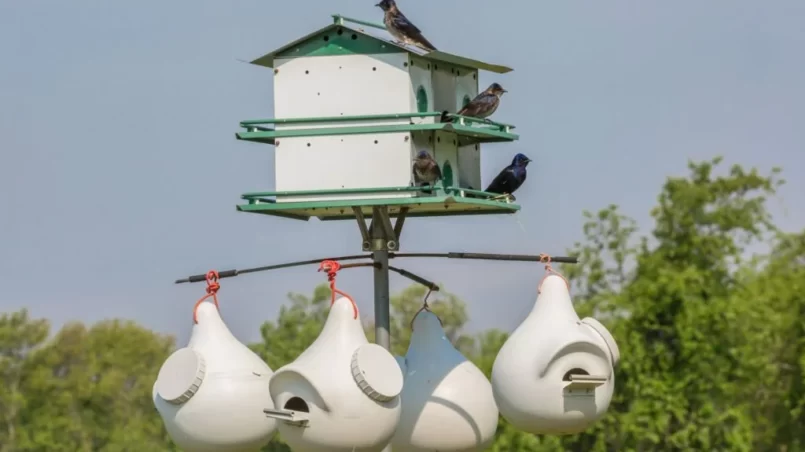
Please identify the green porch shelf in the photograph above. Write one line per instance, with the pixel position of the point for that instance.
(447, 201)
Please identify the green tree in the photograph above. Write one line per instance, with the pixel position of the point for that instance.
(89, 389)
(674, 310)
(776, 314)
(19, 337)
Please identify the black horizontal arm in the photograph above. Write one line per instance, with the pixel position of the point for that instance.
(405, 273)
(231, 273)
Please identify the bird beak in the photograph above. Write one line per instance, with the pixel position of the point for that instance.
(505, 91)
(527, 160)
(378, 5)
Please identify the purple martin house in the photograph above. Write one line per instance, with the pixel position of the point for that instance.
(352, 108)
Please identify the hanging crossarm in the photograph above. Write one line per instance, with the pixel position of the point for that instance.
(402, 272)
(494, 257)
(231, 273)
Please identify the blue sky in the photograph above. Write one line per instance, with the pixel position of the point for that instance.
(120, 171)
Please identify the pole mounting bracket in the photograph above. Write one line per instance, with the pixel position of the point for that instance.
(380, 234)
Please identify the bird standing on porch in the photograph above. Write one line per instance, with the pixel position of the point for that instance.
(483, 106)
(401, 28)
(511, 178)
(426, 170)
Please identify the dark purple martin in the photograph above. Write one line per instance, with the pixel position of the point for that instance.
(426, 170)
(511, 178)
(401, 28)
(482, 106)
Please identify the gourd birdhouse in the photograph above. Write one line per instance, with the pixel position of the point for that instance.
(212, 393)
(447, 402)
(555, 373)
(342, 393)
(353, 108)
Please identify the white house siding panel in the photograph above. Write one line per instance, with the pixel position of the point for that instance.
(444, 86)
(339, 162)
(469, 163)
(344, 85)
(466, 85)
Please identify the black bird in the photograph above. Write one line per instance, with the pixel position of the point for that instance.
(401, 28)
(483, 105)
(511, 178)
(426, 170)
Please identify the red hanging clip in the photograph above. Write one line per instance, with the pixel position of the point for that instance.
(212, 292)
(546, 259)
(332, 267)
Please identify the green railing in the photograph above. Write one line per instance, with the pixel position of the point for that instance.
(252, 122)
(460, 119)
(253, 125)
(257, 197)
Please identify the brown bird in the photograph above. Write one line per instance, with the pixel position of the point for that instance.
(426, 170)
(484, 104)
(401, 28)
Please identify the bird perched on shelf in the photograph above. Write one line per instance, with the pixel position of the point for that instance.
(511, 178)
(482, 106)
(426, 170)
(401, 28)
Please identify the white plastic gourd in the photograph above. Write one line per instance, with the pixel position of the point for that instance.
(447, 402)
(342, 393)
(555, 373)
(212, 393)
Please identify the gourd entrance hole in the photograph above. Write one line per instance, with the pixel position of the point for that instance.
(297, 404)
(575, 371)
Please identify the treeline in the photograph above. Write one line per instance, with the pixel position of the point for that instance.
(712, 338)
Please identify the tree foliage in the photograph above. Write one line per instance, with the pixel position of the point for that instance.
(86, 389)
(707, 307)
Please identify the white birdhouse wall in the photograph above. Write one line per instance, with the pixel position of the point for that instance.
(469, 166)
(465, 161)
(444, 87)
(344, 161)
(363, 85)
(453, 86)
(343, 85)
(466, 86)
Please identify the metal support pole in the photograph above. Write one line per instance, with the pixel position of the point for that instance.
(383, 237)
(380, 256)
(382, 299)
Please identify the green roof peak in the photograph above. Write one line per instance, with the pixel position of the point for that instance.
(332, 40)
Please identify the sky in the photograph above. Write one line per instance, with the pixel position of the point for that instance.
(120, 171)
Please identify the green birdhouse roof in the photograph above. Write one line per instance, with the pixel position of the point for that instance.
(346, 36)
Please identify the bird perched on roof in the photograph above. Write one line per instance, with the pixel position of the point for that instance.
(401, 28)
(511, 178)
(483, 105)
(426, 170)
